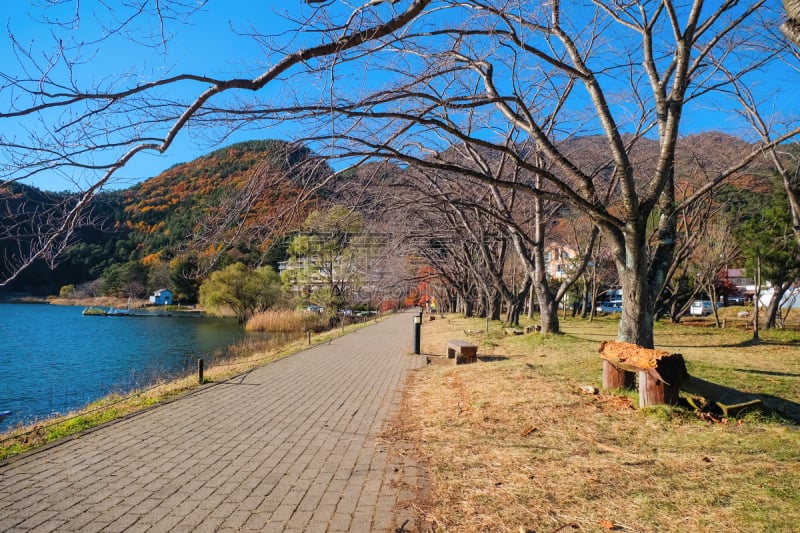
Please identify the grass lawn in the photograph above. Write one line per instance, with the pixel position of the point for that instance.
(514, 444)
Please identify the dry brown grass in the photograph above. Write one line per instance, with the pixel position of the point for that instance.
(101, 301)
(513, 444)
(285, 321)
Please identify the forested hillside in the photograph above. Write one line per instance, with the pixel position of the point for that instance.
(232, 204)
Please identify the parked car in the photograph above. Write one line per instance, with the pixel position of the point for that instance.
(610, 306)
(701, 308)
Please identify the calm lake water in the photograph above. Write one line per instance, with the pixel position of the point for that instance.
(53, 359)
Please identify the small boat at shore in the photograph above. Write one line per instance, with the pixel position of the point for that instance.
(4, 414)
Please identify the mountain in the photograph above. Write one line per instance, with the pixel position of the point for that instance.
(233, 197)
(240, 203)
(232, 204)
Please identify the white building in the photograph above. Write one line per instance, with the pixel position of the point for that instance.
(790, 300)
(559, 260)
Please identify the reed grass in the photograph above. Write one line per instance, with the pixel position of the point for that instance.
(285, 321)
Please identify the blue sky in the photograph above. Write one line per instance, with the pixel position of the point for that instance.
(207, 43)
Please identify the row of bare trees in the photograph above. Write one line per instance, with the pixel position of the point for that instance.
(498, 249)
(485, 102)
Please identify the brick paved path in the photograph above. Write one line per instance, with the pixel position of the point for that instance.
(292, 446)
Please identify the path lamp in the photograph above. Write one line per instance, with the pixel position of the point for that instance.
(417, 329)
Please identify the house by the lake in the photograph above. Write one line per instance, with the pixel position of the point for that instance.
(161, 297)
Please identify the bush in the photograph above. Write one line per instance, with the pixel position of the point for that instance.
(67, 291)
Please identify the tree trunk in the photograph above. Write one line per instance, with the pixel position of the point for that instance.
(531, 301)
(512, 313)
(775, 305)
(636, 323)
(584, 303)
(654, 391)
(469, 307)
(548, 319)
(516, 304)
(548, 309)
(495, 305)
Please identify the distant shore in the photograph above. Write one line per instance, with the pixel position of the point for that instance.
(105, 301)
(19, 298)
(98, 301)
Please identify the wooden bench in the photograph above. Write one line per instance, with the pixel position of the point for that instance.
(660, 372)
(662, 375)
(462, 351)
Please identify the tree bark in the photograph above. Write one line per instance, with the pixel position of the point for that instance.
(548, 307)
(495, 305)
(516, 304)
(655, 391)
(775, 304)
(469, 307)
(636, 323)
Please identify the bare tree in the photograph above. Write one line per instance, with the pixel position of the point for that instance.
(784, 158)
(264, 207)
(715, 250)
(93, 128)
(509, 65)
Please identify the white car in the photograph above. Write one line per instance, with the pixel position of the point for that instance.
(701, 308)
(611, 306)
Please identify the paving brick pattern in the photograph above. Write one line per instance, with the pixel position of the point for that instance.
(293, 446)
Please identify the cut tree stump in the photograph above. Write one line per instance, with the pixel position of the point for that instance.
(616, 378)
(660, 372)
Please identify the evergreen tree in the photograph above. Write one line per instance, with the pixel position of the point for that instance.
(766, 239)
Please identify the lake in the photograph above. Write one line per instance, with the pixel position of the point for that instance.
(54, 360)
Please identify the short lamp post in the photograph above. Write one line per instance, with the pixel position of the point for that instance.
(417, 329)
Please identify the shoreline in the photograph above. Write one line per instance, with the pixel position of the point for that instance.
(102, 301)
(21, 439)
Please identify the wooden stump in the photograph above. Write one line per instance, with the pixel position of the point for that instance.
(660, 372)
(615, 378)
(655, 391)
